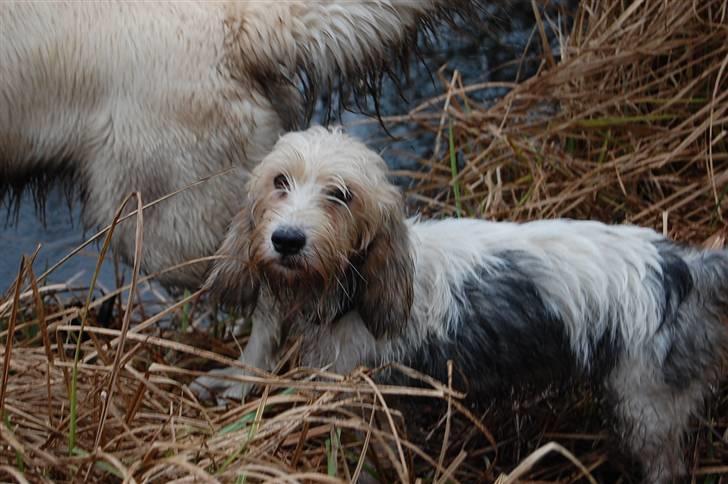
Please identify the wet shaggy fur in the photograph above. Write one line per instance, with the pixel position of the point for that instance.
(115, 97)
(514, 306)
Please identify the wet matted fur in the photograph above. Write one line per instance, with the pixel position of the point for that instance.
(116, 97)
(512, 305)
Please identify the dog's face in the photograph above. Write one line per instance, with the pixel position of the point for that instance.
(324, 230)
(313, 207)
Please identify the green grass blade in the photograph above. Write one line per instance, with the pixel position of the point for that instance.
(185, 323)
(251, 432)
(239, 424)
(19, 463)
(454, 170)
(330, 461)
(101, 465)
(73, 417)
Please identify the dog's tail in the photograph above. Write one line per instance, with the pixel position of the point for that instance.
(318, 44)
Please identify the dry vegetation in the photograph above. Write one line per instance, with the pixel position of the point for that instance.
(627, 124)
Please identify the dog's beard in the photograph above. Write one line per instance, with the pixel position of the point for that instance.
(307, 293)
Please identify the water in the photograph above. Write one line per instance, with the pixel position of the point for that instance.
(478, 54)
(58, 236)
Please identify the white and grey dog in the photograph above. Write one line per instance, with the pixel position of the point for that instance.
(115, 97)
(323, 250)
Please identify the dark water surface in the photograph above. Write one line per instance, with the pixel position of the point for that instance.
(486, 50)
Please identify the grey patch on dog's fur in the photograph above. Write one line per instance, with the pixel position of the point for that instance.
(692, 322)
(675, 280)
(676, 283)
(505, 332)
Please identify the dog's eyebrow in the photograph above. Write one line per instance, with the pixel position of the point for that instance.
(337, 181)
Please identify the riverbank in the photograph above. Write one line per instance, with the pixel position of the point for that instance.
(624, 122)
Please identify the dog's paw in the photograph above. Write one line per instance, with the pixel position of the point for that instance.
(214, 387)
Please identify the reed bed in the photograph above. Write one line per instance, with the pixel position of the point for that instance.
(628, 126)
(625, 121)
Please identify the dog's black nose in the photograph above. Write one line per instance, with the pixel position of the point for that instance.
(288, 240)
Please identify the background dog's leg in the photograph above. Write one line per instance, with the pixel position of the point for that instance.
(260, 352)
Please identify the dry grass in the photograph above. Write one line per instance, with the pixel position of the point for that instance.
(629, 126)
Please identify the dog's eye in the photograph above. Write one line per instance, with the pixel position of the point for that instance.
(341, 195)
(281, 182)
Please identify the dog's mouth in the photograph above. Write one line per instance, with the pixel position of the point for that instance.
(294, 271)
(286, 266)
(290, 273)
(290, 262)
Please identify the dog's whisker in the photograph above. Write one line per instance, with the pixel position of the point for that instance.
(355, 270)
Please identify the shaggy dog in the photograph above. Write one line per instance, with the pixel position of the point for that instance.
(323, 250)
(115, 97)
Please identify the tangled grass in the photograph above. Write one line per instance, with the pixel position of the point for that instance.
(629, 126)
(624, 122)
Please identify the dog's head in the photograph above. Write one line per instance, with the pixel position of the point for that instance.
(325, 231)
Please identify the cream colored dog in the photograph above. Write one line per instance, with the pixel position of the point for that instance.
(115, 97)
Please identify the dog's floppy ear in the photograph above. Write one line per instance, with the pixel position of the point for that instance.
(230, 281)
(385, 296)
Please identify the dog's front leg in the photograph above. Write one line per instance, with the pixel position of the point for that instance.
(260, 352)
(341, 346)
